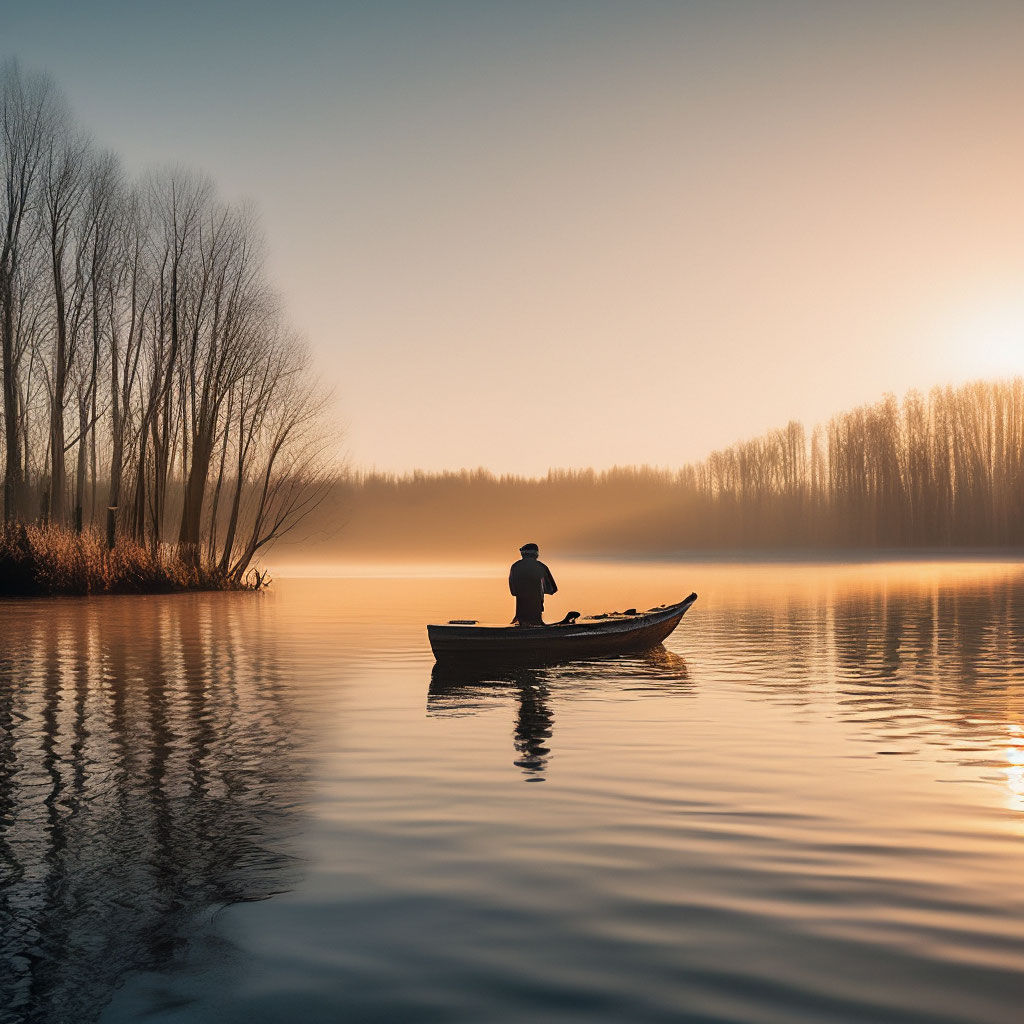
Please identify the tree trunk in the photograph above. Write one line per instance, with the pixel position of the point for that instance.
(211, 549)
(57, 472)
(83, 427)
(236, 500)
(192, 505)
(116, 442)
(12, 467)
(139, 502)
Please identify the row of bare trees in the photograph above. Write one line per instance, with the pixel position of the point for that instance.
(942, 470)
(937, 471)
(150, 381)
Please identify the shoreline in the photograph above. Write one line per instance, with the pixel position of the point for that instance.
(493, 567)
(40, 562)
(823, 556)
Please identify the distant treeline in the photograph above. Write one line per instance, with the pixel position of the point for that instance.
(151, 386)
(936, 471)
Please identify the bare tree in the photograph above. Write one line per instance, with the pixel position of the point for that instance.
(297, 469)
(100, 215)
(226, 316)
(131, 288)
(256, 396)
(64, 188)
(29, 112)
(180, 203)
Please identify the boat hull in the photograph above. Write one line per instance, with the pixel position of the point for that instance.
(584, 638)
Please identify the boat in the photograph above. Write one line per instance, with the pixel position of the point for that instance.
(573, 637)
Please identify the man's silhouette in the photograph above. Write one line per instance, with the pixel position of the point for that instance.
(529, 580)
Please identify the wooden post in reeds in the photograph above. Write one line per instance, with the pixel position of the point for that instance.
(111, 526)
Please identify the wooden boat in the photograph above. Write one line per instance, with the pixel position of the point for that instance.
(573, 637)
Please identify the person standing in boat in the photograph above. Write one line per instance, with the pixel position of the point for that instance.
(529, 580)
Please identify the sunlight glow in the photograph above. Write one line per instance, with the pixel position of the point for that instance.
(990, 341)
(1015, 769)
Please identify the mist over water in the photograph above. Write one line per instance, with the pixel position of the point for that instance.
(807, 806)
(942, 472)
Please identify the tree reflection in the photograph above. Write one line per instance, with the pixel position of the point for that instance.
(146, 774)
(460, 688)
(911, 662)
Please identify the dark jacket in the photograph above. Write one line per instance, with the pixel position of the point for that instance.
(529, 580)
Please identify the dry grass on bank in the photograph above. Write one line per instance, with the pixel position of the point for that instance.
(38, 561)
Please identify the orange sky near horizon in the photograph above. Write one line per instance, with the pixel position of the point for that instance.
(531, 235)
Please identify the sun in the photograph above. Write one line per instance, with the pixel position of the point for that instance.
(988, 341)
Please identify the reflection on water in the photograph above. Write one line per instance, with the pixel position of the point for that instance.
(807, 806)
(144, 777)
(458, 688)
(898, 659)
(1014, 755)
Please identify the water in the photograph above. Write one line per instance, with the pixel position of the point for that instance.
(808, 806)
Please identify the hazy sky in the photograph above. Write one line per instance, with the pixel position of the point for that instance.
(555, 233)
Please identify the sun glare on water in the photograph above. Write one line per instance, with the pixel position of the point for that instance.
(1014, 768)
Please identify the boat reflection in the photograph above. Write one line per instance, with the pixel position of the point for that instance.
(463, 688)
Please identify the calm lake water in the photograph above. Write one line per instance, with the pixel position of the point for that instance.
(807, 806)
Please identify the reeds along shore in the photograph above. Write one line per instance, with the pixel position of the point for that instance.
(42, 561)
(937, 471)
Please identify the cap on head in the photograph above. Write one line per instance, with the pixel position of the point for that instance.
(529, 549)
